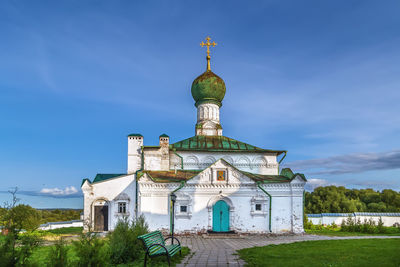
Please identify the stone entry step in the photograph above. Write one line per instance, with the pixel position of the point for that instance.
(227, 235)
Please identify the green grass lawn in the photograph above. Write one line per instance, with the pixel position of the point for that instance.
(40, 258)
(365, 252)
(337, 232)
(66, 230)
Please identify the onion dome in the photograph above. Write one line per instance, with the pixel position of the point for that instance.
(208, 87)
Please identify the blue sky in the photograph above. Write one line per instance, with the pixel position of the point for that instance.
(320, 79)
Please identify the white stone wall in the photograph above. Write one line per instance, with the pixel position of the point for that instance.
(328, 220)
(108, 193)
(57, 225)
(201, 192)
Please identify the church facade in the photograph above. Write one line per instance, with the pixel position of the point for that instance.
(219, 184)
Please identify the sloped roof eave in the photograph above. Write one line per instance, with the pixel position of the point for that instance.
(163, 175)
(103, 177)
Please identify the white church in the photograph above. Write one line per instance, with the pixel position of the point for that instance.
(218, 184)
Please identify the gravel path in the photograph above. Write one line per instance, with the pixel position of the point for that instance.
(220, 252)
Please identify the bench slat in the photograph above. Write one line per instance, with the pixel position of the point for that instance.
(149, 234)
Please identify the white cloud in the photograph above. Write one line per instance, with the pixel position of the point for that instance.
(68, 191)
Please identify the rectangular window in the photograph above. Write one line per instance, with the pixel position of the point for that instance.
(121, 207)
(258, 207)
(221, 175)
(183, 208)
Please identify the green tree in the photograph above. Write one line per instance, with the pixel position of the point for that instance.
(15, 248)
(24, 217)
(339, 199)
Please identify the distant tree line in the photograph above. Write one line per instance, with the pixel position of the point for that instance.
(42, 215)
(337, 199)
(58, 215)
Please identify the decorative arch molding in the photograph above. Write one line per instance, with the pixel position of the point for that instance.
(244, 160)
(98, 200)
(207, 161)
(122, 196)
(260, 161)
(211, 202)
(205, 112)
(209, 124)
(229, 159)
(192, 161)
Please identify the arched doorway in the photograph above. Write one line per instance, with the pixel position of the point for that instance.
(101, 218)
(221, 216)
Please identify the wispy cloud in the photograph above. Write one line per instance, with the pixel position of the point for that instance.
(350, 163)
(68, 192)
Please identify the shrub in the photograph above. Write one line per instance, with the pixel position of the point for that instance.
(27, 244)
(332, 226)
(350, 224)
(90, 250)
(57, 256)
(16, 249)
(380, 228)
(344, 226)
(125, 246)
(368, 227)
(307, 223)
(7, 250)
(357, 226)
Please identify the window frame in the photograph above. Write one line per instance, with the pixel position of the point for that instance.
(185, 208)
(259, 201)
(122, 205)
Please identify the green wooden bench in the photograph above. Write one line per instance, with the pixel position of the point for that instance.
(155, 246)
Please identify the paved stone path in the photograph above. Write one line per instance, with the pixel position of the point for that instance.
(221, 252)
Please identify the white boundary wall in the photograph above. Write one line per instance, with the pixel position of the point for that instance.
(328, 218)
(56, 225)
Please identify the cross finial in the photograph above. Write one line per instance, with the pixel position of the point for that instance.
(208, 44)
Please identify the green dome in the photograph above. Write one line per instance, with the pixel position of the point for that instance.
(208, 87)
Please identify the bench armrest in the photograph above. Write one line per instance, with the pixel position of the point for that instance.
(179, 243)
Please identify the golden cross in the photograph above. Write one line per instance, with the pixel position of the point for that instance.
(208, 44)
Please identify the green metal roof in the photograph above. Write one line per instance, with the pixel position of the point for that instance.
(170, 176)
(83, 181)
(164, 135)
(217, 144)
(103, 176)
(135, 134)
(267, 178)
(288, 173)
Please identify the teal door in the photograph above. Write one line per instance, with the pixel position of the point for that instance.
(221, 217)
